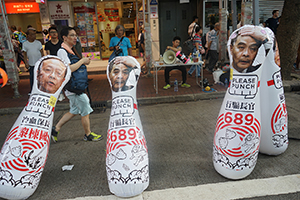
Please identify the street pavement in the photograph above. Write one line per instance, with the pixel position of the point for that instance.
(179, 138)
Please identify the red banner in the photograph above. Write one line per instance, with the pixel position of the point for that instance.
(22, 8)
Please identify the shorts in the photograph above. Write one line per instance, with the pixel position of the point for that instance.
(80, 104)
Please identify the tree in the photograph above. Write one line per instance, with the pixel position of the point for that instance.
(288, 36)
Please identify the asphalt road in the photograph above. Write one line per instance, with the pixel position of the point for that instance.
(179, 139)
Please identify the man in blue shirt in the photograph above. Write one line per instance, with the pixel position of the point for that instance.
(124, 44)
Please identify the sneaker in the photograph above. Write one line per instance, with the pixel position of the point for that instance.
(92, 137)
(167, 87)
(54, 134)
(185, 85)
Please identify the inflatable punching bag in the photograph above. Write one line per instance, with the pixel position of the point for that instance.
(24, 152)
(274, 130)
(126, 150)
(238, 127)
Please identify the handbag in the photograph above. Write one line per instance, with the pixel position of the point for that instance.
(115, 53)
(187, 47)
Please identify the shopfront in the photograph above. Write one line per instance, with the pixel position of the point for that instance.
(97, 22)
(23, 14)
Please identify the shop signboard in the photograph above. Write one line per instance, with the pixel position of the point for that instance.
(13, 8)
(59, 10)
(153, 11)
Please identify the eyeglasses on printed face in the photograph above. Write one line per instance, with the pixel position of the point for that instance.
(53, 32)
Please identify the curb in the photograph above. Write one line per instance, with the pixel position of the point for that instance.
(288, 86)
(141, 101)
(179, 98)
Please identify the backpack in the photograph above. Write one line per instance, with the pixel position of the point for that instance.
(79, 78)
(21, 37)
(188, 46)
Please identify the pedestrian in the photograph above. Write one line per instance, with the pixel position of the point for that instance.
(141, 42)
(206, 44)
(18, 38)
(175, 47)
(77, 48)
(273, 22)
(46, 35)
(192, 27)
(198, 50)
(212, 47)
(33, 51)
(54, 43)
(103, 45)
(79, 103)
(141, 46)
(18, 35)
(124, 45)
(20, 30)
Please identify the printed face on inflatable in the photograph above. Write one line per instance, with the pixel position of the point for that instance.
(50, 75)
(244, 47)
(118, 76)
(122, 73)
(243, 52)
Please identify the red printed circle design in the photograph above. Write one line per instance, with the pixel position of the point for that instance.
(279, 119)
(245, 127)
(124, 137)
(24, 161)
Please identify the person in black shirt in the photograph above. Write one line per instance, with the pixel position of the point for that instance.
(273, 22)
(54, 44)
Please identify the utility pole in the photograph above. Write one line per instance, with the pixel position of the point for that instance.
(223, 5)
(256, 12)
(8, 51)
(234, 15)
(147, 34)
(247, 12)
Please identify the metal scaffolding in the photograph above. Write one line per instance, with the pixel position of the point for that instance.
(8, 51)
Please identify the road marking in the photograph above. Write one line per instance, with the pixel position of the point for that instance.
(225, 190)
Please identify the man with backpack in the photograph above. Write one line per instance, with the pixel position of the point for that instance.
(17, 35)
(79, 101)
(18, 39)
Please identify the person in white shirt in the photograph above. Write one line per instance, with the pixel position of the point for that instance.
(33, 51)
(79, 103)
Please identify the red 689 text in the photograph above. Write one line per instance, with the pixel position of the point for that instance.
(122, 134)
